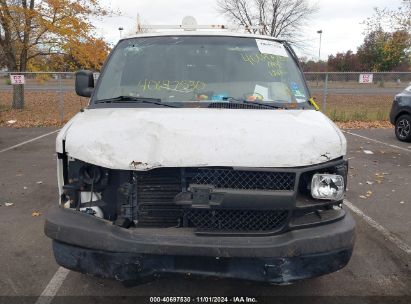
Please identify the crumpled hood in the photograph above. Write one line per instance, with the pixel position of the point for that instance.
(145, 138)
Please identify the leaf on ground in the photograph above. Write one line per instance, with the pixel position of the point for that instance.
(383, 124)
(35, 213)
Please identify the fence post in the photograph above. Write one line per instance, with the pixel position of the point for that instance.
(325, 92)
(61, 98)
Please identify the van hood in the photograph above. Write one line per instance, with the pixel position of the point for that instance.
(146, 138)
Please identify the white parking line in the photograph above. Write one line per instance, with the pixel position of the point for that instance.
(53, 286)
(378, 141)
(384, 231)
(28, 141)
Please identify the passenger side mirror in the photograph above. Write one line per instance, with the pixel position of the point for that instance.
(84, 83)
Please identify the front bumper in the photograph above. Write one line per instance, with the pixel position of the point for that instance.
(87, 244)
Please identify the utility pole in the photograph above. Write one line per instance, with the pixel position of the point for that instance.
(319, 49)
(139, 29)
(319, 54)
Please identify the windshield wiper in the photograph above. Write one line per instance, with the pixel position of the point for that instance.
(133, 99)
(243, 101)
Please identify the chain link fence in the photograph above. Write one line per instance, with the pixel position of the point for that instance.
(50, 98)
(359, 96)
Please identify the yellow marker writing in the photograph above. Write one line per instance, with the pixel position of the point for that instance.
(316, 107)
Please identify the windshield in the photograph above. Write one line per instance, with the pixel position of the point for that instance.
(195, 69)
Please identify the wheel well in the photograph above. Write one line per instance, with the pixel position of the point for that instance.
(401, 113)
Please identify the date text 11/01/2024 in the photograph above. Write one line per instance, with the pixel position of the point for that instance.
(239, 299)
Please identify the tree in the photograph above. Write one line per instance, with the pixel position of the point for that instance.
(2, 61)
(390, 20)
(383, 51)
(89, 55)
(310, 65)
(403, 16)
(33, 28)
(277, 18)
(387, 42)
(345, 62)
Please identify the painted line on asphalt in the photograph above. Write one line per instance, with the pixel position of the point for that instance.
(28, 141)
(384, 231)
(53, 286)
(378, 141)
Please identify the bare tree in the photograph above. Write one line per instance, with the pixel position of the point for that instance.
(277, 18)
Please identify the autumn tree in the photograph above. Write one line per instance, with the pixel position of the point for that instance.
(33, 28)
(310, 65)
(75, 55)
(277, 18)
(345, 62)
(387, 43)
(383, 51)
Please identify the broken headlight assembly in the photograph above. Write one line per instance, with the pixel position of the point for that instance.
(90, 175)
(327, 186)
(324, 185)
(83, 186)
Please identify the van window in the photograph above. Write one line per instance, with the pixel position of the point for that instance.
(202, 68)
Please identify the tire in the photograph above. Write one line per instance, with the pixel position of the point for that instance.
(403, 128)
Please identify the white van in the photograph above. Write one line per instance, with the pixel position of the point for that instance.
(202, 153)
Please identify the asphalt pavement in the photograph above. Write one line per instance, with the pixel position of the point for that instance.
(378, 190)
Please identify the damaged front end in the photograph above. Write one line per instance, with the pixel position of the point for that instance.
(258, 224)
(212, 200)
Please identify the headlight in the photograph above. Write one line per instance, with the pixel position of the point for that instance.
(327, 186)
(90, 174)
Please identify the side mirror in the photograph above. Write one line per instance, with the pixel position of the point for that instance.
(84, 83)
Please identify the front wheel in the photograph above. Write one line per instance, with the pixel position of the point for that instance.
(403, 128)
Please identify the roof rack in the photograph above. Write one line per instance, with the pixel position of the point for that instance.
(189, 23)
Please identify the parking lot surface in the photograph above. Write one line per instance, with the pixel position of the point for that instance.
(378, 193)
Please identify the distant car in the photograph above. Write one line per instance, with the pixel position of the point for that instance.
(400, 115)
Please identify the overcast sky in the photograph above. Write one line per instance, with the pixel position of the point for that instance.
(340, 20)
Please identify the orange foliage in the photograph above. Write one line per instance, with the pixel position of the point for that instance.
(35, 32)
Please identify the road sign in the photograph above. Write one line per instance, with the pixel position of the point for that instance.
(17, 79)
(366, 78)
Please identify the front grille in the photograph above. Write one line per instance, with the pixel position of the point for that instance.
(244, 180)
(157, 188)
(228, 220)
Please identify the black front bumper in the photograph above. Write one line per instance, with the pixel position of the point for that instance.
(139, 267)
(87, 244)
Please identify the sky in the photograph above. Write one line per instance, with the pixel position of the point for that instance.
(340, 20)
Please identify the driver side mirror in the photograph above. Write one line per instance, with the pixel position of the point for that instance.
(84, 83)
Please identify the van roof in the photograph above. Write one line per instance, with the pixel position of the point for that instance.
(201, 33)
